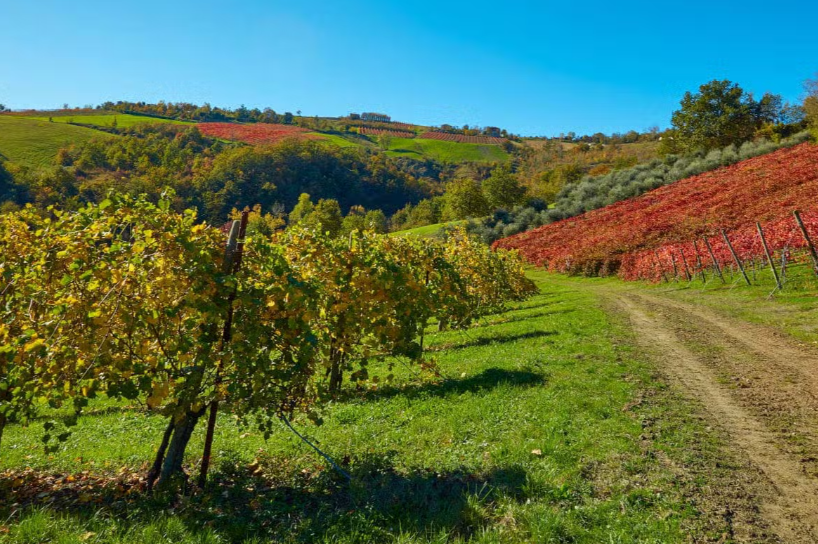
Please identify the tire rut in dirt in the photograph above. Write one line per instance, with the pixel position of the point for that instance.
(698, 356)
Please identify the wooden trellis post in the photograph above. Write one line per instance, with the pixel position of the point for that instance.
(687, 268)
(769, 256)
(232, 263)
(659, 264)
(675, 268)
(810, 246)
(715, 262)
(699, 261)
(735, 257)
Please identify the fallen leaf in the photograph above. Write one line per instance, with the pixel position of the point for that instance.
(536, 452)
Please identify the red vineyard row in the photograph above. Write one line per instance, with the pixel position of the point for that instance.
(621, 237)
(462, 139)
(784, 237)
(255, 134)
(366, 131)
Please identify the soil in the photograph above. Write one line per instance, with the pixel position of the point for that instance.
(759, 389)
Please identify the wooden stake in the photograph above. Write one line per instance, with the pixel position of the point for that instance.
(684, 261)
(699, 261)
(675, 268)
(715, 262)
(232, 264)
(735, 257)
(769, 257)
(784, 264)
(810, 246)
(659, 264)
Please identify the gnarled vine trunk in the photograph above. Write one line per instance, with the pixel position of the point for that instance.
(175, 455)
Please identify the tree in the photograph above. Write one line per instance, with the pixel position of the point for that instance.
(811, 104)
(720, 114)
(375, 220)
(326, 217)
(2, 107)
(302, 209)
(385, 140)
(463, 199)
(354, 220)
(503, 189)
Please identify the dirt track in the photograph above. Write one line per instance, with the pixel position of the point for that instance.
(756, 386)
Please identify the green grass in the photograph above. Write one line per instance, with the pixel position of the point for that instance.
(335, 139)
(35, 143)
(534, 433)
(419, 148)
(426, 231)
(123, 120)
(793, 309)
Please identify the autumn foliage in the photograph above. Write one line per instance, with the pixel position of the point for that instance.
(129, 299)
(636, 237)
(255, 134)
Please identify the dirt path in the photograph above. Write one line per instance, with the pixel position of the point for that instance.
(757, 386)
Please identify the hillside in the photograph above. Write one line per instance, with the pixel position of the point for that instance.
(106, 120)
(762, 189)
(31, 142)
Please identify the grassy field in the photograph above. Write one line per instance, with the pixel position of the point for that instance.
(335, 139)
(438, 150)
(536, 431)
(427, 230)
(35, 143)
(123, 120)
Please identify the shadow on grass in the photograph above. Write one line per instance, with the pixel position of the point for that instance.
(294, 505)
(488, 379)
(514, 318)
(490, 340)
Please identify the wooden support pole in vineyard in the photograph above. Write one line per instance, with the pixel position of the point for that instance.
(687, 268)
(769, 256)
(735, 257)
(675, 268)
(699, 261)
(715, 262)
(659, 264)
(232, 263)
(807, 238)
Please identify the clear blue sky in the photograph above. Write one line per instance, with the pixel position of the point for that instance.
(534, 67)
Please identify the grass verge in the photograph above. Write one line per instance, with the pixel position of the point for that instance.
(544, 426)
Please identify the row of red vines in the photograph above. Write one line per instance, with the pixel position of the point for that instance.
(679, 259)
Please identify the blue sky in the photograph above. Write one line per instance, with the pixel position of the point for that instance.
(534, 67)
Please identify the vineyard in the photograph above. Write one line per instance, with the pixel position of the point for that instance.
(366, 131)
(255, 134)
(462, 139)
(130, 300)
(669, 229)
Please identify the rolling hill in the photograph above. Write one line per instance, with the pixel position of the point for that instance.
(31, 142)
(732, 199)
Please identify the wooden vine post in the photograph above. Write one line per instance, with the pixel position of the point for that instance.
(735, 257)
(807, 238)
(715, 262)
(675, 268)
(659, 264)
(687, 268)
(699, 261)
(232, 264)
(769, 257)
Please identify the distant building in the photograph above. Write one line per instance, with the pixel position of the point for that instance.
(376, 117)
